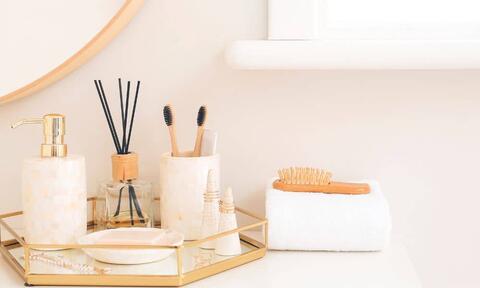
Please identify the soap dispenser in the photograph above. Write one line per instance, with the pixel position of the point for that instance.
(54, 191)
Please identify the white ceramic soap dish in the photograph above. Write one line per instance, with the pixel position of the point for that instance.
(131, 236)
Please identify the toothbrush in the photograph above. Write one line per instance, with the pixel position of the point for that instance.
(170, 121)
(201, 119)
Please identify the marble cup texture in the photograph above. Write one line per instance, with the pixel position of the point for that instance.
(182, 183)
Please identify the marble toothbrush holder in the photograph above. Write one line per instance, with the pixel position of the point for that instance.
(183, 181)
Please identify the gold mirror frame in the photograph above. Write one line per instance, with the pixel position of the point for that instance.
(97, 43)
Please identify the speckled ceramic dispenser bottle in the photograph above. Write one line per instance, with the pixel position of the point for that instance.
(53, 188)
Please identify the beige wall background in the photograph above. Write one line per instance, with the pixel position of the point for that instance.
(417, 132)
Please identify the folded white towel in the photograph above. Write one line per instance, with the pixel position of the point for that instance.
(330, 222)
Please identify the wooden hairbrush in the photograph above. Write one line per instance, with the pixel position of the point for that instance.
(300, 179)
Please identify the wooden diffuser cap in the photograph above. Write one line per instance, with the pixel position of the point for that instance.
(124, 167)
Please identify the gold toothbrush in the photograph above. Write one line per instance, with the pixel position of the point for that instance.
(303, 179)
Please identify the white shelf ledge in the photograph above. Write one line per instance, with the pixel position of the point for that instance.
(353, 54)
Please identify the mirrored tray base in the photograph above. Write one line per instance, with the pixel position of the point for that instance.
(72, 266)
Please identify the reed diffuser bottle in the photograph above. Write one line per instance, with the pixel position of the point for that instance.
(128, 200)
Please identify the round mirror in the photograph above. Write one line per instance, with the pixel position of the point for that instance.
(38, 50)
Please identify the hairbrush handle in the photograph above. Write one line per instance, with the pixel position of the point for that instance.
(331, 188)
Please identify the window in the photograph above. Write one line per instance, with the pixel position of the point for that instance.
(374, 19)
(404, 19)
(365, 34)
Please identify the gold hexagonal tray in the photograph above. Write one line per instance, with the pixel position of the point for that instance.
(189, 263)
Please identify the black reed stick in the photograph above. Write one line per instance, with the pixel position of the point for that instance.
(131, 190)
(132, 195)
(109, 113)
(117, 211)
(133, 114)
(122, 111)
(130, 205)
(117, 147)
(124, 147)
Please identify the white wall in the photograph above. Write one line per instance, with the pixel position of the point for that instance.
(416, 132)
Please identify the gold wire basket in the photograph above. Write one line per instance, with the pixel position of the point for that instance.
(189, 263)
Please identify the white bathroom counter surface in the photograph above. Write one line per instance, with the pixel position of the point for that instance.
(391, 268)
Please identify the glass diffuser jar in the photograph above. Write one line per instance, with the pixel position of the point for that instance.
(128, 201)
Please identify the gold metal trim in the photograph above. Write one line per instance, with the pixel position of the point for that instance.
(10, 244)
(179, 253)
(104, 280)
(223, 234)
(252, 243)
(11, 231)
(8, 215)
(222, 266)
(12, 261)
(27, 260)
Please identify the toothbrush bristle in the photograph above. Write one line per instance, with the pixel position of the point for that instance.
(202, 115)
(167, 115)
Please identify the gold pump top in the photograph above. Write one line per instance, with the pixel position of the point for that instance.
(53, 133)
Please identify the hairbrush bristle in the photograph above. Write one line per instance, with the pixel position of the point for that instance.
(202, 115)
(305, 176)
(168, 115)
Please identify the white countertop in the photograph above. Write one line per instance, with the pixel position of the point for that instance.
(391, 268)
